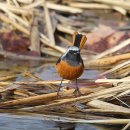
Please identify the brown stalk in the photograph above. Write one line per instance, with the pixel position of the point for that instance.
(35, 35)
(34, 99)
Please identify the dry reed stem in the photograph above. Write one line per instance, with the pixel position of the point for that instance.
(119, 66)
(8, 77)
(45, 41)
(107, 106)
(15, 17)
(114, 49)
(10, 87)
(48, 22)
(15, 3)
(108, 60)
(64, 40)
(103, 111)
(122, 102)
(43, 97)
(34, 82)
(89, 5)
(28, 100)
(30, 75)
(8, 2)
(24, 93)
(112, 80)
(16, 25)
(123, 4)
(120, 10)
(63, 8)
(24, 57)
(127, 126)
(97, 6)
(35, 35)
(25, 1)
(64, 29)
(86, 98)
(53, 6)
(50, 51)
(15, 9)
(124, 93)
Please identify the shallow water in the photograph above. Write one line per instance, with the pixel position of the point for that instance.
(25, 122)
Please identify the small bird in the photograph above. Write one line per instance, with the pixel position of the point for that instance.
(70, 65)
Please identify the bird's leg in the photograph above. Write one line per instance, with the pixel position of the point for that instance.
(59, 87)
(77, 91)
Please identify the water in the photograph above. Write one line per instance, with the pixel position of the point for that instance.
(27, 122)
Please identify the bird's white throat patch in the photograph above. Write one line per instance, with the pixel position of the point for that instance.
(72, 48)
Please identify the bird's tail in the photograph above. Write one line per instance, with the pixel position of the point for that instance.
(79, 40)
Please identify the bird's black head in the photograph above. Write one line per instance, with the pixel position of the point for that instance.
(72, 56)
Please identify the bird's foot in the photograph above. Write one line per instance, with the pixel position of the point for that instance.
(77, 92)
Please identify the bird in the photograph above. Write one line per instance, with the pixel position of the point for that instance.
(70, 65)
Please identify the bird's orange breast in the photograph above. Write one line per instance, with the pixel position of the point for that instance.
(67, 71)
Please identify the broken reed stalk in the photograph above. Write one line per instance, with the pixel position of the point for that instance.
(28, 100)
(103, 111)
(106, 61)
(35, 35)
(123, 93)
(98, 104)
(48, 22)
(37, 98)
(120, 10)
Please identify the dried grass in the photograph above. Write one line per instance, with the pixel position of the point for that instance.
(100, 100)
